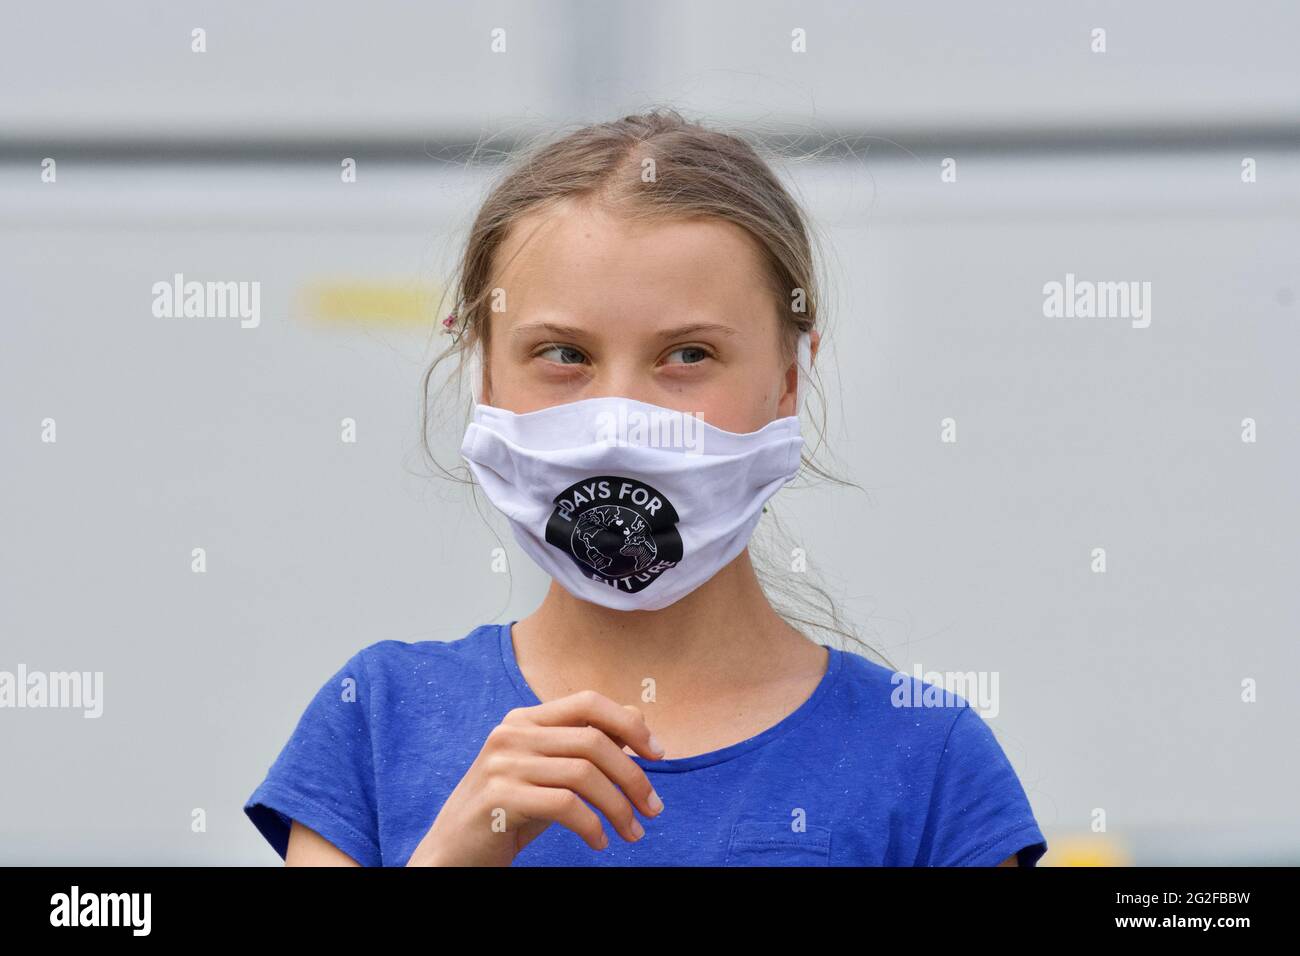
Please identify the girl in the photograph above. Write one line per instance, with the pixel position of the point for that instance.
(637, 308)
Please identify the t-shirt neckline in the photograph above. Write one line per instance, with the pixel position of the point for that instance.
(696, 761)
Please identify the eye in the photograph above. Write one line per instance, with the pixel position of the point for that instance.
(694, 354)
(561, 355)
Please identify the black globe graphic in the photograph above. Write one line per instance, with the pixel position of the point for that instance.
(613, 541)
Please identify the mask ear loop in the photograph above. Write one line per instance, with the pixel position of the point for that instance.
(804, 360)
(474, 371)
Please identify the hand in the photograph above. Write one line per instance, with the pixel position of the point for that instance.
(536, 768)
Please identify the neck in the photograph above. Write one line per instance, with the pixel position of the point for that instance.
(724, 630)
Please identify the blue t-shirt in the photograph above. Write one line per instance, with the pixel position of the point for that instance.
(847, 779)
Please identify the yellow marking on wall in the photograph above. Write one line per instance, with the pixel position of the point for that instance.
(372, 302)
(1086, 849)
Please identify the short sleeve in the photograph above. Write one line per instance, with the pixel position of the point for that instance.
(324, 777)
(979, 814)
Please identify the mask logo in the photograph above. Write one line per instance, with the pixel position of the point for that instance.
(619, 531)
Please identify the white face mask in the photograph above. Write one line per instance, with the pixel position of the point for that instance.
(627, 504)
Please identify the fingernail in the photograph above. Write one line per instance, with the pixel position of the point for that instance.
(655, 803)
(655, 747)
(638, 831)
(604, 840)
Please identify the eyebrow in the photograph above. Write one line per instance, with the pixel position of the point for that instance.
(572, 331)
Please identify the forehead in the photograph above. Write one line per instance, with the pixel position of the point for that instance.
(581, 259)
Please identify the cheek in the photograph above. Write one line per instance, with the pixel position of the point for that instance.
(509, 392)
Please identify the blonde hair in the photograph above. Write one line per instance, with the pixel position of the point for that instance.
(696, 172)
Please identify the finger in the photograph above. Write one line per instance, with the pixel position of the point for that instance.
(625, 723)
(587, 743)
(562, 806)
(593, 745)
(658, 754)
(589, 782)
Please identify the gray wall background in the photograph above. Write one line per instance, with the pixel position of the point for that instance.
(1120, 691)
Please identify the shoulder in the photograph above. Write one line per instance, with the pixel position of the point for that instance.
(925, 736)
(883, 700)
(963, 798)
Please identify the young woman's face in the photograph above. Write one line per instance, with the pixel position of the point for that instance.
(675, 314)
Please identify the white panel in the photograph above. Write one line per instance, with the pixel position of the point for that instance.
(401, 69)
